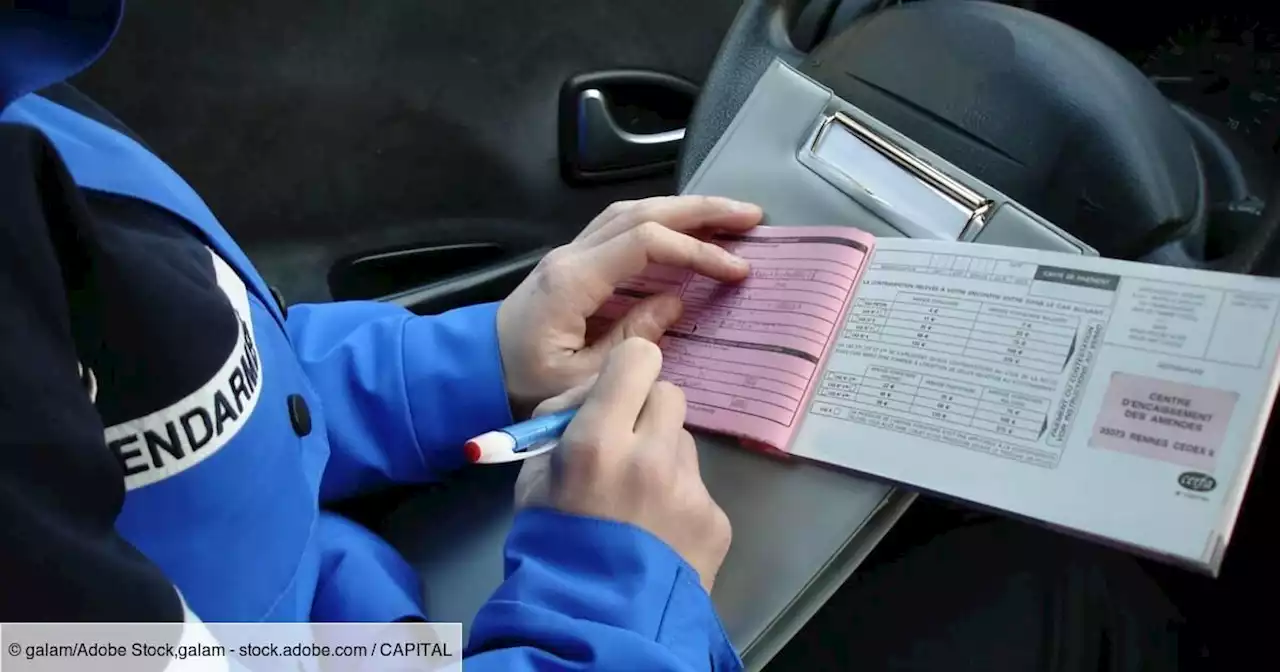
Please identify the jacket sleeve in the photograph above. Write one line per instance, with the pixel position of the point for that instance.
(590, 594)
(401, 393)
(60, 487)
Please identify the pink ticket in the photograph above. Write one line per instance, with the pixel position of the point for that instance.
(747, 355)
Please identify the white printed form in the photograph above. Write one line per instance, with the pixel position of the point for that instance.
(1072, 389)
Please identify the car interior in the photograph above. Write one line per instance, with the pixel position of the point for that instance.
(431, 153)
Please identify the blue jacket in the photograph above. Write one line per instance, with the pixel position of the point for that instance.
(238, 527)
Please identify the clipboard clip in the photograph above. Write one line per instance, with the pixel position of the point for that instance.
(978, 207)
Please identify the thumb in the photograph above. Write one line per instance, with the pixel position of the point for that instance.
(648, 319)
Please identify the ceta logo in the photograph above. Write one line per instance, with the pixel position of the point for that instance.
(1197, 482)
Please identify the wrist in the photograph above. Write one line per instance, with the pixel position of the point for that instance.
(517, 402)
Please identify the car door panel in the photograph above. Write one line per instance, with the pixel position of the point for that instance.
(318, 130)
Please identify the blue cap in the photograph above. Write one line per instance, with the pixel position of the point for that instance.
(44, 42)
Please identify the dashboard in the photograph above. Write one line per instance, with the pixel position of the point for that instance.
(1220, 58)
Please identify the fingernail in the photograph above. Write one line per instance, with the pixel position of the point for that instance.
(751, 208)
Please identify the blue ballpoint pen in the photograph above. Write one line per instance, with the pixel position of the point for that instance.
(521, 440)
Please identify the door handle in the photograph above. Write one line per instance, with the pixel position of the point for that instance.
(605, 145)
(622, 124)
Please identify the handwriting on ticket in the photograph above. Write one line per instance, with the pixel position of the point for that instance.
(1175, 422)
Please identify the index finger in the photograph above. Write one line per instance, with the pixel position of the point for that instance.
(678, 213)
(626, 256)
(613, 405)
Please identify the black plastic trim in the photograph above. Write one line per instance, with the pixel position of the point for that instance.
(490, 283)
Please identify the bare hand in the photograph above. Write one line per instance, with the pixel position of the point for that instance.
(627, 457)
(542, 326)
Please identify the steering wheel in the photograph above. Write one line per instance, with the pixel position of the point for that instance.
(1029, 105)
